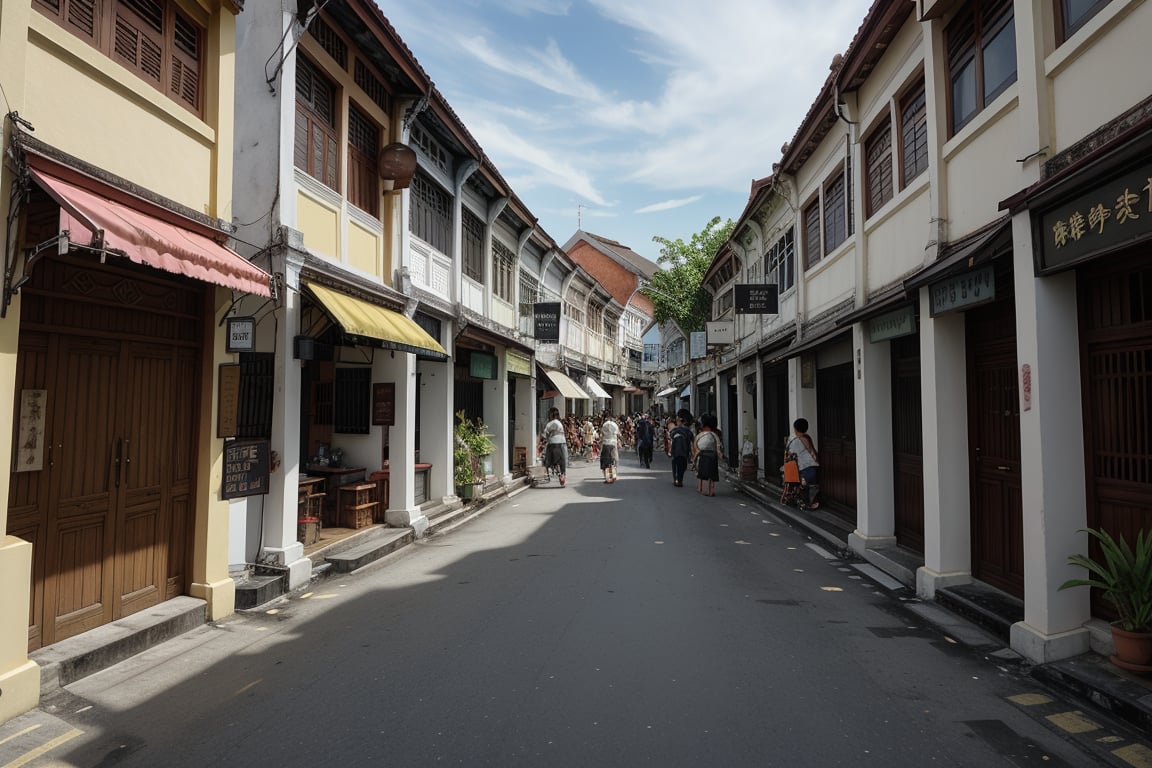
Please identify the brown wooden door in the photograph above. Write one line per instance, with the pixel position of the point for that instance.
(907, 443)
(836, 423)
(994, 448)
(109, 511)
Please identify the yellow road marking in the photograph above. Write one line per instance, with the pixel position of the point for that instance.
(43, 749)
(831, 589)
(250, 685)
(305, 596)
(323, 597)
(1073, 722)
(1030, 699)
(1136, 755)
(29, 729)
(1110, 739)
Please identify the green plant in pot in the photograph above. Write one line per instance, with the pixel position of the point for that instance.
(1124, 576)
(471, 442)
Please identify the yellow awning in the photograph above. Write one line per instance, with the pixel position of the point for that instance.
(391, 330)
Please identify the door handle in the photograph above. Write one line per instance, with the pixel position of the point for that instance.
(127, 458)
(116, 462)
(1004, 468)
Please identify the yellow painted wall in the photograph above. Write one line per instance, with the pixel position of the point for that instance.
(320, 225)
(114, 120)
(363, 249)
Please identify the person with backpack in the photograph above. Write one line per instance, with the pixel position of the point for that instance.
(644, 440)
(680, 446)
(709, 452)
(808, 462)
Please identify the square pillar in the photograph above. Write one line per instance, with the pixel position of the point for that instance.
(944, 393)
(1054, 497)
(281, 507)
(436, 423)
(875, 510)
(496, 416)
(401, 512)
(524, 434)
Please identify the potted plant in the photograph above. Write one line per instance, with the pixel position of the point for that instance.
(1124, 575)
(472, 443)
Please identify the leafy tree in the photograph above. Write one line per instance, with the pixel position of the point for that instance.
(676, 290)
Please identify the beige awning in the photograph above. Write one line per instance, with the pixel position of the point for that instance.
(565, 386)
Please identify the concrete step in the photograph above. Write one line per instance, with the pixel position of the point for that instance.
(77, 657)
(359, 556)
(258, 589)
(452, 518)
(988, 607)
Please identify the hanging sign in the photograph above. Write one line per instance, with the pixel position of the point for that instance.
(721, 332)
(546, 322)
(241, 334)
(757, 299)
(698, 344)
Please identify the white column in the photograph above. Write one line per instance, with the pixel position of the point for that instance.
(802, 400)
(525, 416)
(875, 509)
(280, 505)
(400, 367)
(943, 389)
(1051, 458)
(436, 423)
(496, 416)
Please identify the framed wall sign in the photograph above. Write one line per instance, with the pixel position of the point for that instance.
(30, 440)
(384, 404)
(962, 291)
(241, 334)
(246, 465)
(228, 406)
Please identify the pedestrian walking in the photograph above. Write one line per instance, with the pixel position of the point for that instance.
(708, 453)
(644, 440)
(809, 463)
(556, 445)
(609, 434)
(680, 446)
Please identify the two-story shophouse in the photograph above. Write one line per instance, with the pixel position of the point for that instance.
(969, 297)
(118, 139)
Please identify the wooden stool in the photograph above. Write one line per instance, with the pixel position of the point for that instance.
(357, 504)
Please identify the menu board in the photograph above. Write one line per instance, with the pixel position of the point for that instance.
(245, 468)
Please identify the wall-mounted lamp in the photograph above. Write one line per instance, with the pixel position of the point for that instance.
(397, 166)
(304, 348)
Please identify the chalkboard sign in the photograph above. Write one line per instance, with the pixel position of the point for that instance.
(384, 405)
(757, 299)
(245, 468)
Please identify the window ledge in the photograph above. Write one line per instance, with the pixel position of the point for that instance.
(1087, 35)
(317, 189)
(844, 247)
(1002, 105)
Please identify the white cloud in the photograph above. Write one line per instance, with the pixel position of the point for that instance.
(546, 68)
(669, 205)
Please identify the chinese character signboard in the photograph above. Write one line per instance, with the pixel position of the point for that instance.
(546, 322)
(757, 299)
(245, 468)
(241, 334)
(893, 325)
(1110, 216)
(963, 291)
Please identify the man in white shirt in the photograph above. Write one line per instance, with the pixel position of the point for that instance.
(609, 433)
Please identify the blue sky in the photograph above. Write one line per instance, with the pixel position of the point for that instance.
(636, 118)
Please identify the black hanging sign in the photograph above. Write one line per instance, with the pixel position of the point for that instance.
(546, 322)
(757, 299)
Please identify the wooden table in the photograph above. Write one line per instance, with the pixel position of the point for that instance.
(334, 477)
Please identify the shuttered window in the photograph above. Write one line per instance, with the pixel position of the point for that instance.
(812, 234)
(363, 145)
(430, 214)
(472, 246)
(315, 147)
(878, 168)
(913, 135)
(153, 38)
(503, 270)
(835, 218)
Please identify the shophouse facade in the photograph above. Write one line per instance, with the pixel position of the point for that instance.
(970, 271)
(118, 273)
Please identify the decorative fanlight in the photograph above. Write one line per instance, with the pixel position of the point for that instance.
(397, 166)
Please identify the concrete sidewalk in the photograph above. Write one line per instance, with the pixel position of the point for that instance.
(1089, 677)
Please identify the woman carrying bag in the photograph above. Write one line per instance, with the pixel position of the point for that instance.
(707, 452)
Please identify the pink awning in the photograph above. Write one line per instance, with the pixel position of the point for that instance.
(148, 240)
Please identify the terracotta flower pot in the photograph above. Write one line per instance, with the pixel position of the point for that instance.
(1133, 649)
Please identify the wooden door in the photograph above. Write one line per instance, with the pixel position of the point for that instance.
(836, 438)
(907, 442)
(777, 427)
(994, 446)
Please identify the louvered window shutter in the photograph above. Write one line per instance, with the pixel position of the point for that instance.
(139, 37)
(184, 83)
(77, 16)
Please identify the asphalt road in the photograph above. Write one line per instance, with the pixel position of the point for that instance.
(633, 624)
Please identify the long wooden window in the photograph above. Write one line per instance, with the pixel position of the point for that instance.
(780, 262)
(430, 215)
(363, 146)
(878, 168)
(981, 58)
(316, 144)
(472, 246)
(1071, 15)
(913, 135)
(503, 270)
(153, 38)
(835, 214)
(812, 250)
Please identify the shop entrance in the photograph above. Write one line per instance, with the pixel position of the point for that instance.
(777, 427)
(836, 441)
(907, 442)
(106, 383)
(994, 445)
